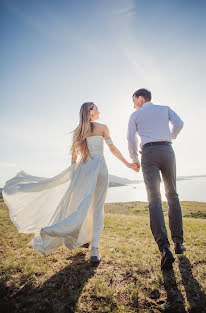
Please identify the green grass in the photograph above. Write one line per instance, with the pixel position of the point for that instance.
(128, 279)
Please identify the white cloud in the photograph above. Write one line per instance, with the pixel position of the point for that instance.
(129, 10)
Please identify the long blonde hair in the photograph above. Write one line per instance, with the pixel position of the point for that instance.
(84, 129)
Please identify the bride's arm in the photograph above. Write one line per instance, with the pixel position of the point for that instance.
(116, 151)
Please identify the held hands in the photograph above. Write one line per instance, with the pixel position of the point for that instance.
(138, 166)
(134, 166)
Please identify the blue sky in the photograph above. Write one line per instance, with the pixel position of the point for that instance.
(55, 55)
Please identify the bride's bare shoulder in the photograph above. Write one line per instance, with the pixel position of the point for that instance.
(99, 125)
(101, 129)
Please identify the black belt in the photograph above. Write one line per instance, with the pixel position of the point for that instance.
(155, 143)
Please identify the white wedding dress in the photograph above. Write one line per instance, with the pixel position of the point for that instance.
(67, 208)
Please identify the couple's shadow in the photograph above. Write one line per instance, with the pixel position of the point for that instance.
(175, 300)
(60, 293)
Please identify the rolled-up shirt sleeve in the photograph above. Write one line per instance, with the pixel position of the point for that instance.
(176, 123)
(132, 139)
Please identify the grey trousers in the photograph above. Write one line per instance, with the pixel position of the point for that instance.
(154, 159)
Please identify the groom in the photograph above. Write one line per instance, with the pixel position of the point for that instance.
(151, 123)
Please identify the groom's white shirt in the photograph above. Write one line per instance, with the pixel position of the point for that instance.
(152, 123)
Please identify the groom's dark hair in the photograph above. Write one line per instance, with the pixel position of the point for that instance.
(146, 94)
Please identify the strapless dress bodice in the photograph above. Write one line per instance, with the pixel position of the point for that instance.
(95, 145)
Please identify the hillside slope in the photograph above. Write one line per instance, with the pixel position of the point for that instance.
(128, 279)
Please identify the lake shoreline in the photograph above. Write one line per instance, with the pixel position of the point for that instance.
(193, 209)
(188, 190)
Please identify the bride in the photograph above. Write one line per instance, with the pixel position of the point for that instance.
(69, 207)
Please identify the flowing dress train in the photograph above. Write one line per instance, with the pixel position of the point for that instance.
(67, 208)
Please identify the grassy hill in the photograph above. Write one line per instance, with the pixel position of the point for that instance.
(128, 279)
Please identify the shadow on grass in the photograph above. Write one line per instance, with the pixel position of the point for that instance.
(60, 293)
(175, 300)
(195, 296)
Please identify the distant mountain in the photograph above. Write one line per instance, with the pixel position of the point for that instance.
(116, 181)
(121, 180)
(112, 184)
(189, 177)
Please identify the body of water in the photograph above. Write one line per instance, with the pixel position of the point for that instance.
(189, 190)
